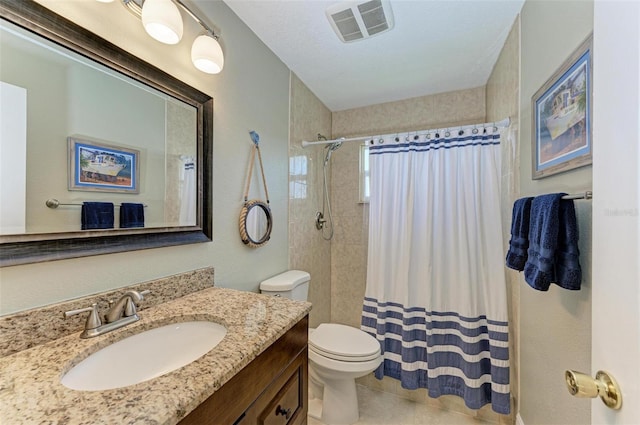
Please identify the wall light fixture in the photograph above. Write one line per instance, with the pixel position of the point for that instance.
(162, 20)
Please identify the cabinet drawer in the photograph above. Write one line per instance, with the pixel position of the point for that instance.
(285, 405)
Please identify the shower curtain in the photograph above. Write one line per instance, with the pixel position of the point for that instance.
(188, 190)
(435, 295)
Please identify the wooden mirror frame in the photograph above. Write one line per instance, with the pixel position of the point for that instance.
(33, 248)
(244, 233)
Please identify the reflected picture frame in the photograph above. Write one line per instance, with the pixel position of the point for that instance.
(562, 116)
(95, 166)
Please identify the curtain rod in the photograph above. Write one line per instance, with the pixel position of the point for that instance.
(499, 124)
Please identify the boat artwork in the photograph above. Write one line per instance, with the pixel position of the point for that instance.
(96, 166)
(105, 166)
(100, 166)
(563, 118)
(565, 112)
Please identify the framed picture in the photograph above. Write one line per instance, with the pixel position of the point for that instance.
(100, 167)
(561, 116)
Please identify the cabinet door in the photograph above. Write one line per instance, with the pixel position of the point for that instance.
(287, 404)
(284, 402)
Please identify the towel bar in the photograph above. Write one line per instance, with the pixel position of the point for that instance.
(586, 195)
(54, 203)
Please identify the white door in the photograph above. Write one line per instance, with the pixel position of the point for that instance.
(616, 205)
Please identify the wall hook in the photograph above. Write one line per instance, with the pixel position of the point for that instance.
(255, 137)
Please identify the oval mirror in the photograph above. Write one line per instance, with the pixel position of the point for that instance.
(255, 223)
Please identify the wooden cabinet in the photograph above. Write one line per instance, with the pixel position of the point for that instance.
(271, 390)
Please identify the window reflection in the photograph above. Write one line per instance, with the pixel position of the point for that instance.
(298, 177)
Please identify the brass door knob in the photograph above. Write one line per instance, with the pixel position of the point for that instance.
(582, 385)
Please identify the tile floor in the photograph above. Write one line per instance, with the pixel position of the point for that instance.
(382, 408)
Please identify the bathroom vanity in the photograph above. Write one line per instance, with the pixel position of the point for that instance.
(256, 374)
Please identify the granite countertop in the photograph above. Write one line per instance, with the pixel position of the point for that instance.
(31, 392)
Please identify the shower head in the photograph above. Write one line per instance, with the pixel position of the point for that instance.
(330, 148)
(334, 146)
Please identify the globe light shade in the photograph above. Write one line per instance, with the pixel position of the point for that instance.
(162, 21)
(105, 1)
(206, 54)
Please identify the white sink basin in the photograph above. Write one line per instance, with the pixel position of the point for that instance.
(144, 356)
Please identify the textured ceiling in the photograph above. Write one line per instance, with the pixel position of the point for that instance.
(434, 47)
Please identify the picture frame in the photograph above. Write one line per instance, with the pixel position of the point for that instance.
(562, 116)
(101, 167)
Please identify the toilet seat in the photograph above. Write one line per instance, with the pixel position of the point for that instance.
(343, 367)
(343, 343)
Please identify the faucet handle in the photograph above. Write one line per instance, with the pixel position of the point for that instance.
(93, 320)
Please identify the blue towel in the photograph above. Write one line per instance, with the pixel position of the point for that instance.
(131, 215)
(97, 215)
(519, 243)
(539, 270)
(568, 270)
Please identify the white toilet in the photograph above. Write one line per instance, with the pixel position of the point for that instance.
(338, 354)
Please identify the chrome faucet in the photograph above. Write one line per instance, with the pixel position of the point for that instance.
(121, 313)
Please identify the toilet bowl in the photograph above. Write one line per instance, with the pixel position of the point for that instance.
(338, 354)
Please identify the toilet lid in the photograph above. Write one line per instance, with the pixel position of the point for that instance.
(342, 342)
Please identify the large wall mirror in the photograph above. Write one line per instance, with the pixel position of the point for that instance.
(70, 103)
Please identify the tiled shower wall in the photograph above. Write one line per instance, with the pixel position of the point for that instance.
(308, 251)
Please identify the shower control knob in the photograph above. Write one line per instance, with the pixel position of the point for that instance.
(320, 220)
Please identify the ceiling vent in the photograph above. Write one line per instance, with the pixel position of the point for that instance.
(357, 20)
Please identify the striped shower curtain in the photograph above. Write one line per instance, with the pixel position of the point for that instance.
(435, 295)
(188, 189)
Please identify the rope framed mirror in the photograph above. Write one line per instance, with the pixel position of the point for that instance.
(256, 221)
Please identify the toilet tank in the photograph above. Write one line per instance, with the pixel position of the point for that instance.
(293, 284)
